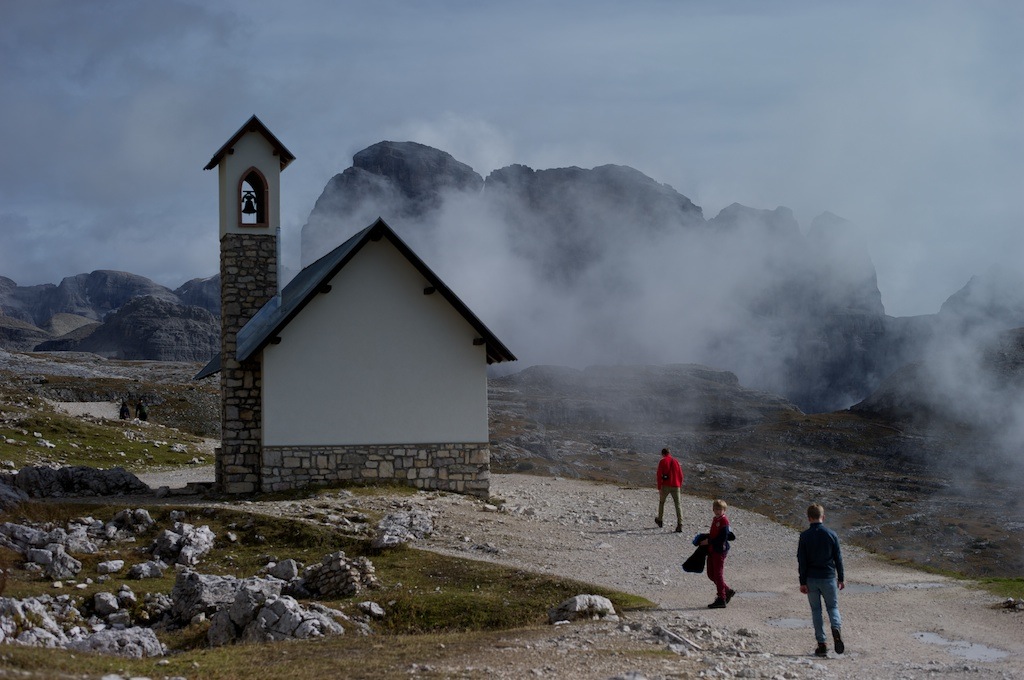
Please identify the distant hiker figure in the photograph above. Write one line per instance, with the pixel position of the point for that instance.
(125, 411)
(140, 410)
(670, 479)
(717, 542)
(820, 561)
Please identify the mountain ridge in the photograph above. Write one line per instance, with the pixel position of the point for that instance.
(576, 267)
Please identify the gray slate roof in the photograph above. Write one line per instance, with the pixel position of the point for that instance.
(271, 319)
(254, 124)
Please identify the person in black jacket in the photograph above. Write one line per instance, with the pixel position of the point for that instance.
(820, 561)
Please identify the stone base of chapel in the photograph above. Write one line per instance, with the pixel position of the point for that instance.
(460, 468)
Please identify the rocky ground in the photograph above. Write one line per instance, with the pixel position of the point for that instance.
(940, 500)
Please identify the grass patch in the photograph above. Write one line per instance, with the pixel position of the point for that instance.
(348, 656)
(427, 592)
(68, 440)
(1004, 587)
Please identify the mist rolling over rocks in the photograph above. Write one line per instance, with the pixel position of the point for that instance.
(581, 267)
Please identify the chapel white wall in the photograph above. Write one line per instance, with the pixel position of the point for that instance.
(375, 361)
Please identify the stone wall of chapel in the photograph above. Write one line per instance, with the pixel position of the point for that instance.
(460, 468)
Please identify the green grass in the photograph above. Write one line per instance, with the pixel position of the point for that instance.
(81, 442)
(1004, 587)
(348, 656)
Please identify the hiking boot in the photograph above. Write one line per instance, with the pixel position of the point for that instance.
(729, 594)
(719, 603)
(840, 647)
(822, 650)
(657, 520)
(679, 528)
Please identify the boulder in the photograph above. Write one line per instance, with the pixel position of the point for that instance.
(63, 566)
(401, 527)
(285, 570)
(110, 567)
(105, 603)
(10, 495)
(136, 521)
(583, 607)
(133, 643)
(186, 544)
(284, 618)
(40, 481)
(20, 537)
(228, 623)
(29, 622)
(151, 569)
(195, 593)
(371, 609)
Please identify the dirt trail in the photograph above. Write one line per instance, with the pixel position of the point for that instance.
(898, 622)
(894, 618)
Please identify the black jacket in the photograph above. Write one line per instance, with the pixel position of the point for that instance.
(819, 554)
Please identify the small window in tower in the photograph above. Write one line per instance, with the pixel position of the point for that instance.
(253, 201)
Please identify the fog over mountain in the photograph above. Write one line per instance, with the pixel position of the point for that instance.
(575, 266)
(578, 267)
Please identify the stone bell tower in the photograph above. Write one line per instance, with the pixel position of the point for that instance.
(249, 185)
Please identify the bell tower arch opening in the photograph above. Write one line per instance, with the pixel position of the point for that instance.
(252, 199)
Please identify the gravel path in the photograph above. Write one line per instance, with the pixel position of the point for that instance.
(179, 477)
(895, 619)
(899, 623)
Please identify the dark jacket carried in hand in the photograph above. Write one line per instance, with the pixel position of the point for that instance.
(695, 562)
(819, 554)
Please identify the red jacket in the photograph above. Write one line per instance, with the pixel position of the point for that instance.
(669, 472)
(718, 535)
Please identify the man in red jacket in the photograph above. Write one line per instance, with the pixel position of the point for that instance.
(670, 479)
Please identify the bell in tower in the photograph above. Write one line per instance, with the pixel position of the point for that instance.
(253, 200)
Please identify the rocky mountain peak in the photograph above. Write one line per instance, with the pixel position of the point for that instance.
(778, 223)
(399, 181)
(114, 314)
(149, 328)
(419, 171)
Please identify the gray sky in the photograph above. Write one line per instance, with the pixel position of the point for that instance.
(905, 118)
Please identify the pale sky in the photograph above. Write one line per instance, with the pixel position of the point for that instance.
(906, 118)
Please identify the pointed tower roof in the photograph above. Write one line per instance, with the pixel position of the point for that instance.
(254, 124)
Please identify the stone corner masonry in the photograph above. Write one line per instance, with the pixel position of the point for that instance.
(248, 269)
